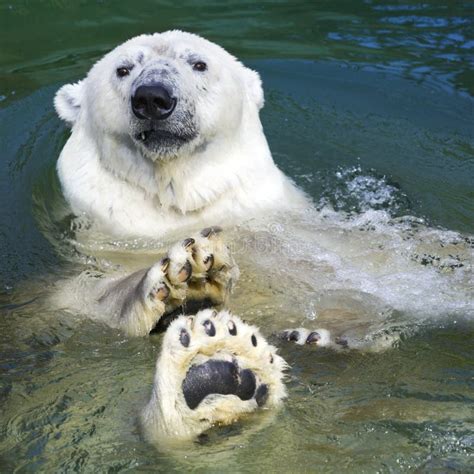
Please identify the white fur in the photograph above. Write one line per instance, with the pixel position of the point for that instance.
(227, 174)
(135, 302)
(222, 176)
(167, 417)
(68, 101)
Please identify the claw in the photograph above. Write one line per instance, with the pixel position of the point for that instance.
(185, 273)
(165, 263)
(188, 242)
(313, 338)
(161, 294)
(190, 322)
(208, 261)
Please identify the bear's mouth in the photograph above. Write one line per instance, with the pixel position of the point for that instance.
(162, 138)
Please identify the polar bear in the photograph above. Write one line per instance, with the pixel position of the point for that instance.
(166, 139)
(166, 135)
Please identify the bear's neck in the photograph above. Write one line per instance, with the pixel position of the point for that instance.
(120, 157)
(125, 194)
(229, 165)
(230, 179)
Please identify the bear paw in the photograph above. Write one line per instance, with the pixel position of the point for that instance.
(212, 370)
(198, 270)
(318, 337)
(201, 268)
(375, 341)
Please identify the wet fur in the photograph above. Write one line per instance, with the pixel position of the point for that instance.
(168, 417)
(222, 173)
(128, 189)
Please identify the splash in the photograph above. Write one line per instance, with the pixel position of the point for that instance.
(354, 190)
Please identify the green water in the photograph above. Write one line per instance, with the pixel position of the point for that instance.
(369, 106)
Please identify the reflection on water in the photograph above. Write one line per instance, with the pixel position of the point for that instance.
(369, 109)
(69, 402)
(430, 42)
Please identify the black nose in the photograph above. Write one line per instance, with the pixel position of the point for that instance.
(153, 102)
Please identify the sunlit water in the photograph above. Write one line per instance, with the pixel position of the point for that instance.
(369, 108)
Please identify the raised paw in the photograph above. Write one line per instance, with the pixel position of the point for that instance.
(319, 337)
(196, 271)
(201, 268)
(213, 369)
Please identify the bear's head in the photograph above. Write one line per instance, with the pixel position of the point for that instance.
(163, 94)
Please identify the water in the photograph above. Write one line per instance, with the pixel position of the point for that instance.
(369, 107)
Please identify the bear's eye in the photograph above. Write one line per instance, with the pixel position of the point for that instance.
(200, 66)
(123, 71)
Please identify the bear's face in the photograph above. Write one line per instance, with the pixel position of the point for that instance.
(164, 95)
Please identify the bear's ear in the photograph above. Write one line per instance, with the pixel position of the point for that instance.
(68, 101)
(254, 87)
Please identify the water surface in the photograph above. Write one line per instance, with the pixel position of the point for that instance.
(369, 107)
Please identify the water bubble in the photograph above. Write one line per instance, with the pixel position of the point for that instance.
(311, 312)
(355, 190)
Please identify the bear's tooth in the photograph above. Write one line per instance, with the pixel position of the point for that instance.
(143, 136)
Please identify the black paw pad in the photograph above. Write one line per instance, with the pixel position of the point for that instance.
(220, 377)
(313, 338)
(232, 328)
(211, 231)
(291, 336)
(342, 341)
(261, 396)
(254, 340)
(184, 338)
(188, 242)
(247, 385)
(209, 328)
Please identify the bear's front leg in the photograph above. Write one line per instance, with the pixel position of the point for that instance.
(213, 369)
(135, 303)
(199, 269)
